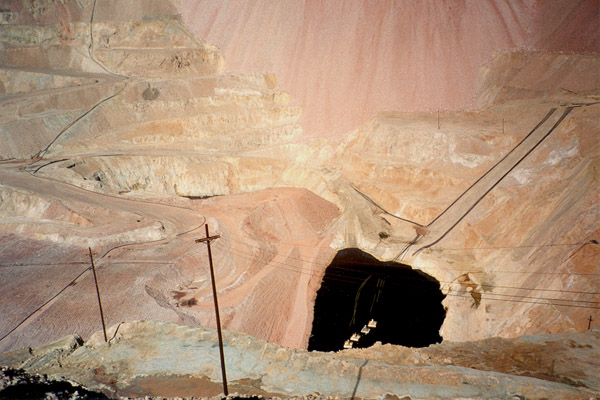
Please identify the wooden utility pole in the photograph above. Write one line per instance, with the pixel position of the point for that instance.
(438, 119)
(207, 239)
(590, 322)
(98, 293)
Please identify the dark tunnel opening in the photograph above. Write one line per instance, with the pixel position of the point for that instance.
(357, 288)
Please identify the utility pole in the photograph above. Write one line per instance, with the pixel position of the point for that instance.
(208, 239)
(438, 119)
(98, 293)
(590, 322)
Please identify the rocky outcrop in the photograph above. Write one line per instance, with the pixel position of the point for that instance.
(123, 134)
(73, 103)
(18, 384)
(161, 359)
(541, 213)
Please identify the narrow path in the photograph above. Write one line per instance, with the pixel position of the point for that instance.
(443, 224)
(179, 219)
(85, 113)
(55, 91)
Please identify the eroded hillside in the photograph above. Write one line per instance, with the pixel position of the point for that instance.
(345, 61)
(121, 132)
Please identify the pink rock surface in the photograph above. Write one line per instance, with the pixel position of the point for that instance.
(131, 149)
(344, 61)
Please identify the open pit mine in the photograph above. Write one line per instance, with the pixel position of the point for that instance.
(399, 199)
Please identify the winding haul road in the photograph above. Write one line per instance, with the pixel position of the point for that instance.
(443, 224)
(176, 221)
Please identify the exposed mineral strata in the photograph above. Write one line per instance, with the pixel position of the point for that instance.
(120, 131)
(345, 61)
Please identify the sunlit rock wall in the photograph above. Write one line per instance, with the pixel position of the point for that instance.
(344, 61)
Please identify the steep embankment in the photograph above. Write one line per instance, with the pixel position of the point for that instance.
(163, 359)
(344, 61)
(128, 107)
(512, 260)
(132, 115)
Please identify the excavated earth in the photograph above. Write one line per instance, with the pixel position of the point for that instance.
(122, 136)
(165, 359)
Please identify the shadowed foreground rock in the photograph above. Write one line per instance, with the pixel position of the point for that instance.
(165, 359)
(16, 384)
(121, 131)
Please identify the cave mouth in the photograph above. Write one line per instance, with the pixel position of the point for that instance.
(357, 288)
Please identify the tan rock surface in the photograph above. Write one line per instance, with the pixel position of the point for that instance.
(149, 266)
(182, 360)
(131, 150)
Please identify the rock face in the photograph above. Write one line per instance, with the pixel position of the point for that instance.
(183, 360)
(121, 132)
(345, 61)
(136, 106)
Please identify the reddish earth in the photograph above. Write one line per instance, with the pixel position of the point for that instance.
(133, 165)
(344, 61)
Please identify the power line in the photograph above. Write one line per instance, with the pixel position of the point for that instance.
(54, 264)
(487, 296)
(458, 248)
(349, 279)
(484, 285)
(526, 301)
(541, 298)
(342, 278)
(510, 247)
(43, 305)
(444, 282)
(241, 253)
(444, 269)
